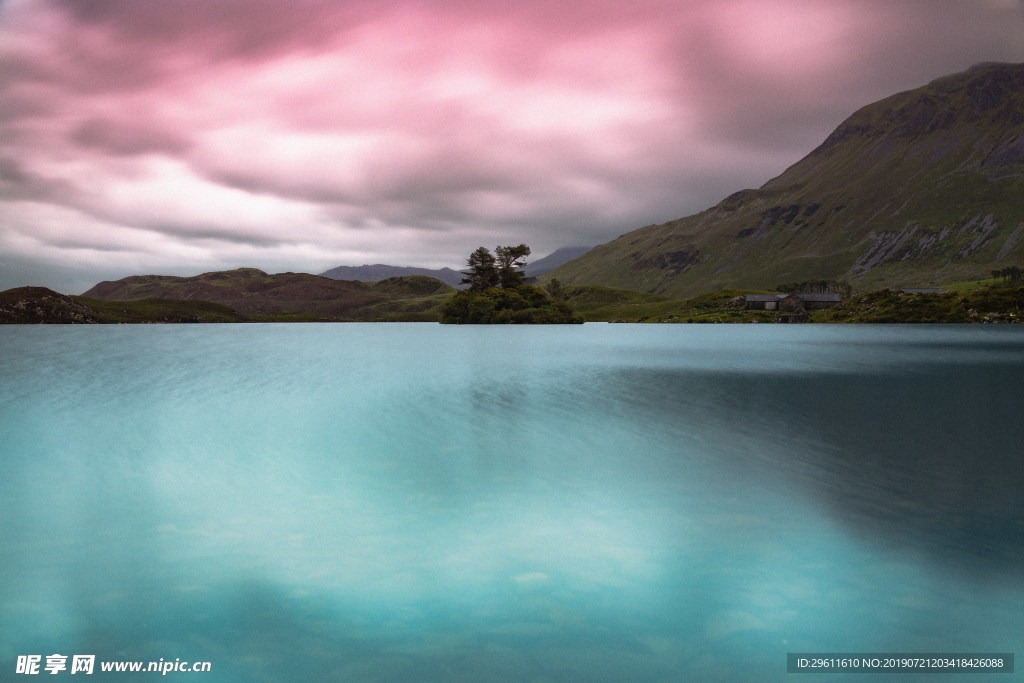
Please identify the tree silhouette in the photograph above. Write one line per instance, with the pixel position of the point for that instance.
(482, 271)
(498, 293)
(510, 265)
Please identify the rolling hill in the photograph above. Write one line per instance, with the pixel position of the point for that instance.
(40, 305)
(260, 296)
(380, 271)
(919, 189)
(453, 278)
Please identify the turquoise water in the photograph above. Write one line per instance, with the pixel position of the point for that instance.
(416, 502)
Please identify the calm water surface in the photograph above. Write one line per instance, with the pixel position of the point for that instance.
(401, 502)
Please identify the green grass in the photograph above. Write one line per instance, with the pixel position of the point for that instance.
(723, 316)
(295, 318)
(607, 304)
(160, 310)
(976, 304)
(992, 304)
(971, 284)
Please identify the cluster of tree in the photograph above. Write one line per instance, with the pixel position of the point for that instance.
(1008, 275)
(816, 287)
(501, 269)
(498, 293)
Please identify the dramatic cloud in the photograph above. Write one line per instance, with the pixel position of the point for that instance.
(187, 135)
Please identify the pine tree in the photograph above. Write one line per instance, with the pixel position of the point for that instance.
(510, 265)
(482, 272)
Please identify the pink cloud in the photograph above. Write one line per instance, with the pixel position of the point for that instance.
(250, 132)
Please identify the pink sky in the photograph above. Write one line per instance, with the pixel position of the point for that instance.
(183, 136)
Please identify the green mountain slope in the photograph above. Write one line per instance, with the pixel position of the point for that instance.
(289, 296)
(922, 188)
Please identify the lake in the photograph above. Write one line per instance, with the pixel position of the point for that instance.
(418, 502)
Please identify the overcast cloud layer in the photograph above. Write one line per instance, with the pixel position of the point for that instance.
(182, 136)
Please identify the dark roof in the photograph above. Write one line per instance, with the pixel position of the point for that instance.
(803, 297)
(830, 296)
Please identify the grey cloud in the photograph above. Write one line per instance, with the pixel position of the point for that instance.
(60, 101)
(19, 183)
(904, 45)
(205, 235)
(125, 138)
(225, 28)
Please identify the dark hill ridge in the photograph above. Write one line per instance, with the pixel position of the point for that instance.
(380, 271)
(31, 305)
(39, 305)
(253, 292)
(553, 260)
(921, 188)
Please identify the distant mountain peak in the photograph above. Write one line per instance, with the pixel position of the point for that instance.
(381, 271)
(553, 260)
(453, 278)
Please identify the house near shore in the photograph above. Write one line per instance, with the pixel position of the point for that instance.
(762, 302)
(790, 302)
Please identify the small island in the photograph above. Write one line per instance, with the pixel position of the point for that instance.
(498, 293)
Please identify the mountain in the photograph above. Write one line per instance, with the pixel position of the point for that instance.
(30, 305)
(260, 296)
(453, 278)
(39, 305)
(379, 271)
(553, 260)
(921, 188)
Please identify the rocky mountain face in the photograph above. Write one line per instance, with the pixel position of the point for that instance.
(39, 305)
(922, 188)
(34, 305)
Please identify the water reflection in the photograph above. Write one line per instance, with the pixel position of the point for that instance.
(926, 459)
(420, 503)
